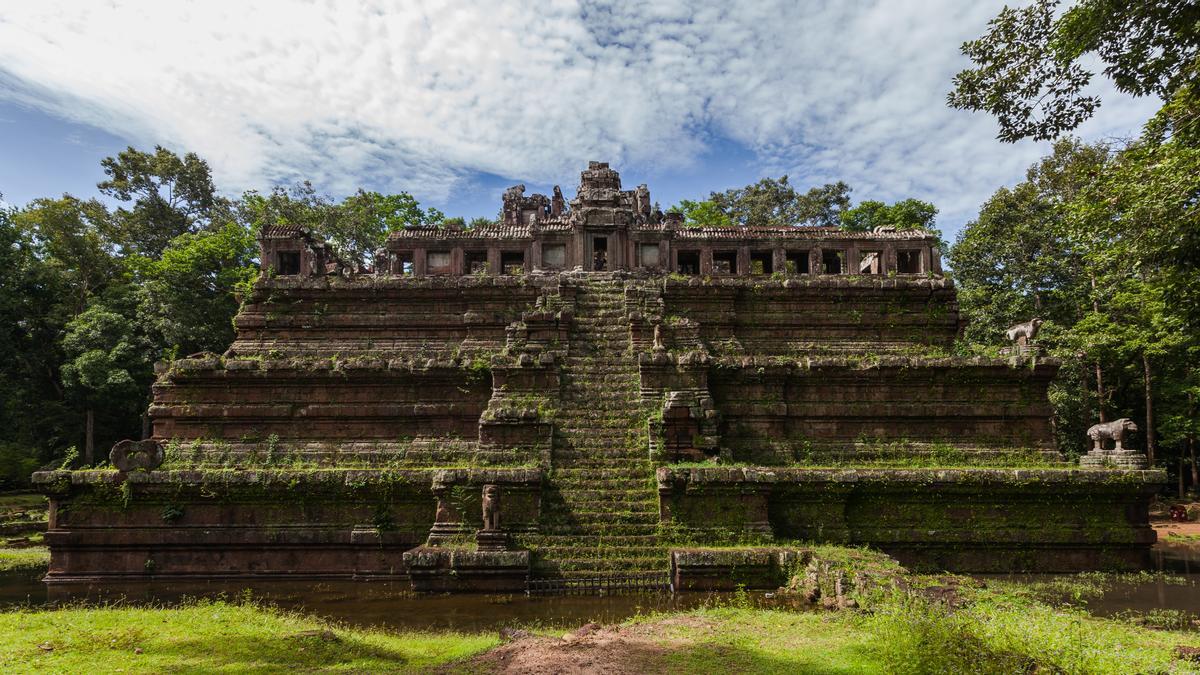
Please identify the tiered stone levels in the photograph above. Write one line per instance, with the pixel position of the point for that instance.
(707, 386)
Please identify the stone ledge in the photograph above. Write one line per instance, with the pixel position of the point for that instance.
(309, 477)
(716, 476)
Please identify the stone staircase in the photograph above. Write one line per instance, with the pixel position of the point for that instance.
(600, 509)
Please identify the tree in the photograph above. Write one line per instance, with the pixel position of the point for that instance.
(704, 213)
(907, 214)
(356, 226)
(170, 195)
(69, 235)
(775, 203)
(768, 203)
(189, 295)
(1029, 71)
(105, 361)
(32, 413)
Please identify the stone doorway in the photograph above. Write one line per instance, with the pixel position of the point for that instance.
(599, 254)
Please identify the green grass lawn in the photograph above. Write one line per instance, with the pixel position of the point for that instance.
(211, 636)
(998, 629)
(24, 558)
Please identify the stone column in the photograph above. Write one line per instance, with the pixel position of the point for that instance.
(419, 262)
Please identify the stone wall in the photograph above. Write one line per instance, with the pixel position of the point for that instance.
(967, 520)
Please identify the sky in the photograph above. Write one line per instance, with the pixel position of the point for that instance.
(455, 101)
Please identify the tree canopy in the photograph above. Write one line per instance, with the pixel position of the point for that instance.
(1029, 68)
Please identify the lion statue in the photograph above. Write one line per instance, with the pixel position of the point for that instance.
(1026, 331)
(491, 507)
(1114, 430)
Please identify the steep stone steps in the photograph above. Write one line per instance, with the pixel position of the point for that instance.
(600, 515)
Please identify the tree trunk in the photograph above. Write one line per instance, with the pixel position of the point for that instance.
(89, 443)
(1100, 393)
(1099, 372)
(1150, 438)
(1191, 445)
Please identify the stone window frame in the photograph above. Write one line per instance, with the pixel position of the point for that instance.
(407, 258)
(880, 262)
(641, 260)
(288, 266)
(842, 255)
(554, 245)
(767, 257)
(795, 256)
(917, 257)
(724, 255)
(447, 268)
(508, 253)
(688, 251)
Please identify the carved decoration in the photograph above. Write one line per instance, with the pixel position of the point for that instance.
(128, 455)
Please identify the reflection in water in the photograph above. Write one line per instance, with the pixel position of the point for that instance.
(383, 604)
(390, 604)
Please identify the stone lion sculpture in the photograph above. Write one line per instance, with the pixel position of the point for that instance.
(1025, 332)
(491, 507)
(1115, 430)
(130, 455)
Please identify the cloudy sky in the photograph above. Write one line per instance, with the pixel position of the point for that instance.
(453, 101)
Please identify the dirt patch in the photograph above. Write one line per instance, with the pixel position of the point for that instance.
(612, 650)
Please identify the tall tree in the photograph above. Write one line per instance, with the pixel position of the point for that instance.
(1029, 66)
(906, 214)
(168, 196)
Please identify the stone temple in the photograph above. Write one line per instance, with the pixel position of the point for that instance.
(591, 389)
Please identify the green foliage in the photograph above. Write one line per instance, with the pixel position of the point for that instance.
(769, 202)
(356, 226)
(906, 214)
(170, 196)
(1029, 71)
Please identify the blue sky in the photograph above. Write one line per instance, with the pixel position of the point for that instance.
(454, 101)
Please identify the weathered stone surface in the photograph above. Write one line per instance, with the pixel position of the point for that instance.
(361, 410)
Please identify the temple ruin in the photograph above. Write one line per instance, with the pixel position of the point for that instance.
(592, 389)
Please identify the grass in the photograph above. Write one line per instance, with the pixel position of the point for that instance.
(211, 635)
(993, 629)
(996, 632)
(24, 558)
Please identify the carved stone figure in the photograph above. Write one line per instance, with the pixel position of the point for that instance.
(1114, 431)
(658, 338)
(1024, 333)
(557, 203)
(491, 508)
(128, 455)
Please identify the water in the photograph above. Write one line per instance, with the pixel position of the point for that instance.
(391, 605)
(380, 604)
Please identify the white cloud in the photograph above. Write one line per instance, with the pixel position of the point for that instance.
(420, 95)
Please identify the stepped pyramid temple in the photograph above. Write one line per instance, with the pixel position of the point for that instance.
(591, 390)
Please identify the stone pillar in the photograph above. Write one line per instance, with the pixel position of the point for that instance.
(493, 255)
(743, 261)
(419, 262)
(815, 260)
(706, 261)
(852, 260)
(779, 260)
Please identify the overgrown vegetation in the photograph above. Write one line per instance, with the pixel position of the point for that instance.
(1100, 241)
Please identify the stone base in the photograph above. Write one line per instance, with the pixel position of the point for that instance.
(961, 520)
(456, 570)
(491, 540)
(721, 569)
(1117, 459)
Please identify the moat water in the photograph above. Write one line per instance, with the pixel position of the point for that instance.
(1174, 586)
